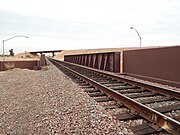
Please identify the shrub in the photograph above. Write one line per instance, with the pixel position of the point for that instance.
(28, 56)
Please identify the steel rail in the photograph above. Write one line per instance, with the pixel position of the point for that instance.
(170, 125)
(164, 91)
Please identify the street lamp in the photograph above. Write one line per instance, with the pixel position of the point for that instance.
(138, 34)
(10, 39)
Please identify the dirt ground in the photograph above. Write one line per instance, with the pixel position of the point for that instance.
(20, 57)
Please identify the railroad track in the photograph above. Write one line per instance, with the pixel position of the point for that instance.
(159, 108)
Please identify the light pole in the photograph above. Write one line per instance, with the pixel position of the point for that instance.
(10, 39)
(138, 34)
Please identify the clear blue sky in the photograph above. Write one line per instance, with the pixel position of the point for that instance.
(85, 24)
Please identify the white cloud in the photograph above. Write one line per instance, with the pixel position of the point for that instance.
(89, 10)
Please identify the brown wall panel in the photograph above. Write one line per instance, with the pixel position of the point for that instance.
(104, 61)
(160, 63)
(116, 62)
(19, 64)
(109, 61)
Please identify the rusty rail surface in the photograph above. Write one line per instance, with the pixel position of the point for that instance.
(170, 125)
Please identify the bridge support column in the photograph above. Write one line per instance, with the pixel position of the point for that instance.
(53, 54)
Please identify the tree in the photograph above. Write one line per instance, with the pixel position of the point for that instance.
(11, 52)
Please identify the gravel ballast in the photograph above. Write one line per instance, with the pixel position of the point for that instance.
(48, 102)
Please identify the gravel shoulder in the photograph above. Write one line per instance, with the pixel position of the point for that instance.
(48, 102)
